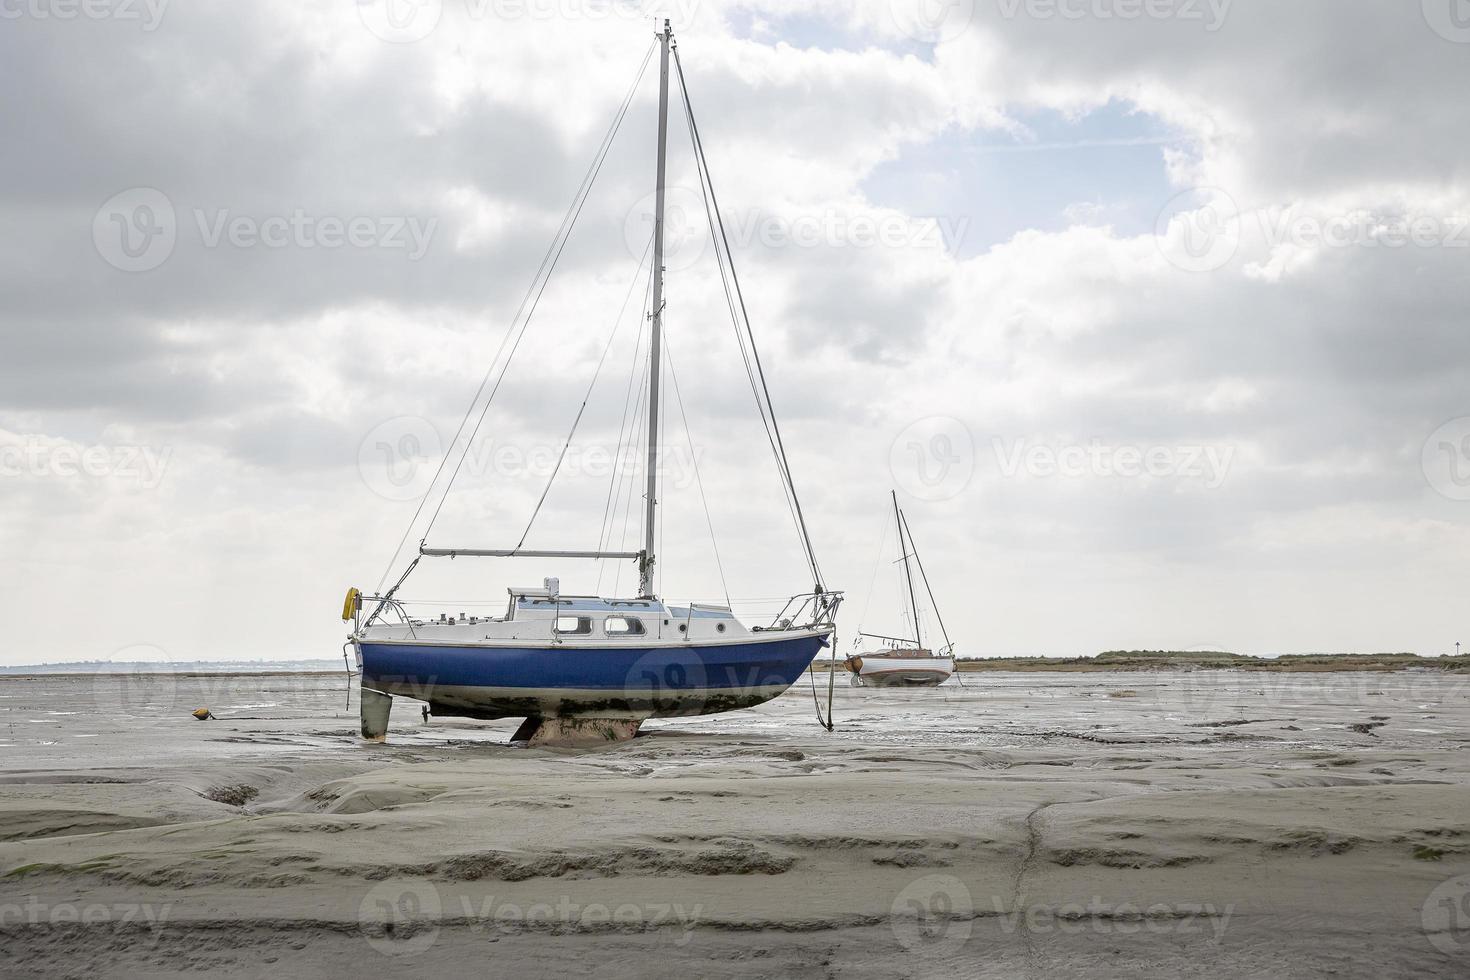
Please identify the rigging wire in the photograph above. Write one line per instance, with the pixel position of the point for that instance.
(615, 478)
(694, 460)
(932, 601)
(617, 325)
(740, 341)
(873, 582)
(633, 471)
(717, 223)
(543, 274)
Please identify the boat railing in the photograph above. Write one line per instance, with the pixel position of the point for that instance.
(381, 604)
(807, 610)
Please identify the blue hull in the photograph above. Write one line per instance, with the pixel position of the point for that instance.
(605, 682)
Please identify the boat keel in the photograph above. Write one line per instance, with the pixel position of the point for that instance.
(575, 732)
(375, 707)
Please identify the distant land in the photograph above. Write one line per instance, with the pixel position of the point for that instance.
(1215, 660)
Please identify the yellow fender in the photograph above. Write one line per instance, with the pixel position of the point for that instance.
(350, 604)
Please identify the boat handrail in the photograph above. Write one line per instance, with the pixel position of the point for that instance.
(387, 602)
(823, 607)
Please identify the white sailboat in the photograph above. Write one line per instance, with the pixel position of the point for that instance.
(591, 667)
(902, 661)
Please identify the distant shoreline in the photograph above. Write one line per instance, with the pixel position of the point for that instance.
(1179, 660)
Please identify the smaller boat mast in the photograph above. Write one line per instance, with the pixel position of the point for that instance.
(907, 572)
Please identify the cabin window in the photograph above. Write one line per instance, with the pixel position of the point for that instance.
(623, 626)
(573, 624)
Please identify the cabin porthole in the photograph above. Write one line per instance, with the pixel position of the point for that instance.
(683, 627)
(719, 627)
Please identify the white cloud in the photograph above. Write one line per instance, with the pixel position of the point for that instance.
(1317, 358)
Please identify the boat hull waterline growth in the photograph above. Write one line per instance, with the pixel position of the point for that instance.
(628, 682)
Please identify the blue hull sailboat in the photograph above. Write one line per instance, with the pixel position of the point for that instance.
(583, 668)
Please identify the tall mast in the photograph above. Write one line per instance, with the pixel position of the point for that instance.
(645, 567)
(907, 573)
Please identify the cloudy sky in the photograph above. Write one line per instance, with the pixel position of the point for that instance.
(1153, 313)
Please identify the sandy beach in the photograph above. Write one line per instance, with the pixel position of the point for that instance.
(1186, 824)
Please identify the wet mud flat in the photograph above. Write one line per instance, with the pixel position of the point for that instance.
(1192, 824)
